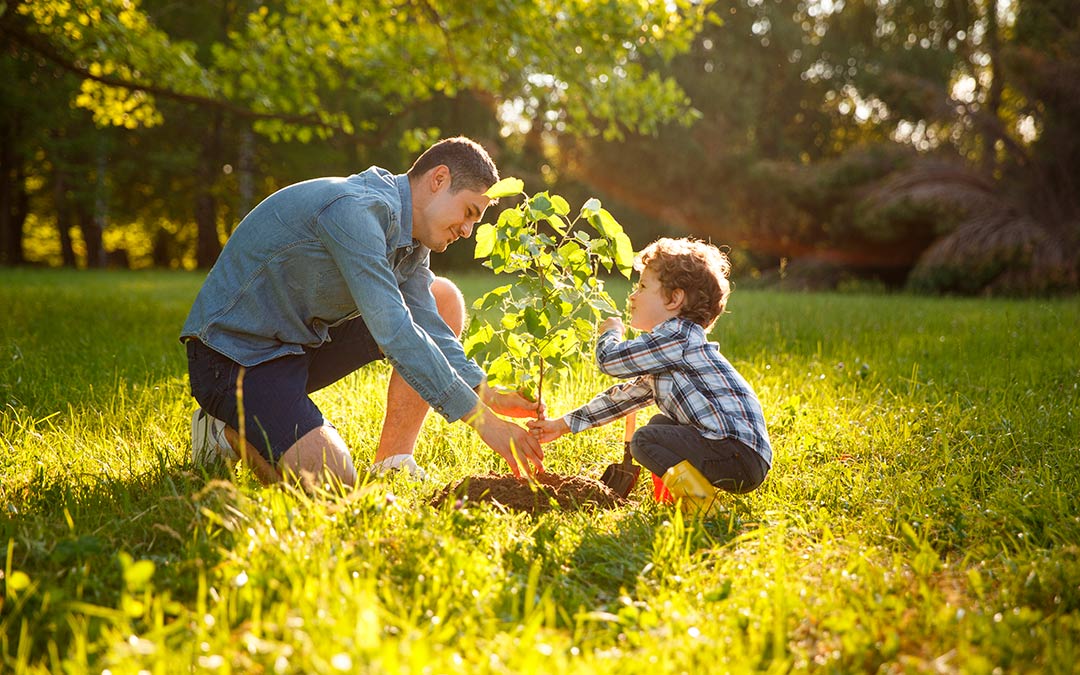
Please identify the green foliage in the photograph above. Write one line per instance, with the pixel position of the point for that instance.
(544, 319)
(304, 70)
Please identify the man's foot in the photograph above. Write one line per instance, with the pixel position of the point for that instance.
(399, 463)
(208, 442)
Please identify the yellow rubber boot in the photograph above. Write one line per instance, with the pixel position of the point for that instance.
(696, 492)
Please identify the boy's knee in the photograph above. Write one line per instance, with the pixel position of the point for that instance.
(450, 303)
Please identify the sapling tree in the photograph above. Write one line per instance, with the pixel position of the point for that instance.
(544, 319)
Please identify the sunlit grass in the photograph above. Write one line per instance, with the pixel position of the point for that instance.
(921, 514)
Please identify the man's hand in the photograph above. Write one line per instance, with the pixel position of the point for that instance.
(612, 322)
(510, 403)
(513, 443)
(548, 430)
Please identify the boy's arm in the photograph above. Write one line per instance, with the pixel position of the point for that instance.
(617, 401)
(650, 353)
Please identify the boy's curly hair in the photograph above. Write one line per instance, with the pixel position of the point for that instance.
(698, 268)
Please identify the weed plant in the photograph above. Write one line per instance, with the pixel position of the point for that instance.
(921, 514)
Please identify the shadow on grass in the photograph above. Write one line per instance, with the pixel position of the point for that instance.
(614, 565)
(70, 541)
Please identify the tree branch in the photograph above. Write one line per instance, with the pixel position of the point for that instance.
(66, 62)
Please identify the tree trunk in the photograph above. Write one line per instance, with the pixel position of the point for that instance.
(13, 197)
(208, 247)
(162, 252)
(993, 98)
(62, 207)
(91, 232)
(246, 167)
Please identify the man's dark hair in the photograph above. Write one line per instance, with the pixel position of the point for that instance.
(471, 168)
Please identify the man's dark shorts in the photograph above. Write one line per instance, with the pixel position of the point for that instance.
(277, 408)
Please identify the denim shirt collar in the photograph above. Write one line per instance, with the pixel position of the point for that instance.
(405, 193)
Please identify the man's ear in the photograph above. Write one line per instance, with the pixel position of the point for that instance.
(675, 302)
(439, 178)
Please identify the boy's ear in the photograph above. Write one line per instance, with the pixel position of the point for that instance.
(678, 297)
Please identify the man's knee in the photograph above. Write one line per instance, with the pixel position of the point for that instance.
(450, 302)
(318, 456)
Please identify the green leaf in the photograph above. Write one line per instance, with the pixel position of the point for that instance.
(515, 348)
(492, 298)
(624, 254)
(509, 221)
(485, 241)
(590, 207)
(480, 336)
(606, 224)
(501, 370)
(554, 313)
(561, 206)
(603, 303)
(528, 389)
(534, 323)
(507, 187)
(540, 207)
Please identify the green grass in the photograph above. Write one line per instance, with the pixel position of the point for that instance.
(921, 515)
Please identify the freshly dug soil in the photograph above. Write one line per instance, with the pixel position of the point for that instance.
(548, 491)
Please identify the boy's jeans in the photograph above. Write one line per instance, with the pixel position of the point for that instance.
(728, 464)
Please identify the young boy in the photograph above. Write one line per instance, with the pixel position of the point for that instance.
(710, 432)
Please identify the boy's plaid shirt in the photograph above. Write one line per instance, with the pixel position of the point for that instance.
(676, 367)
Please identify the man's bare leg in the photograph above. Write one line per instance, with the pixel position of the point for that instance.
(319, 456)
(405, 409)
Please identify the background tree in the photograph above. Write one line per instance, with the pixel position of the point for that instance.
(298, 70)
(914, 140)
(928, 142)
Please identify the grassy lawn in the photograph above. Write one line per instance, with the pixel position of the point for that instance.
(921, 515)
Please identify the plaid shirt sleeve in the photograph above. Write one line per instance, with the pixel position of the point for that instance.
(615, 402)
(658, 351)
(641, 358)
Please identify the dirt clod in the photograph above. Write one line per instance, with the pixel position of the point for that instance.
(547, 491)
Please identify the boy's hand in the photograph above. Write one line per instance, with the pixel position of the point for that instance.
(548, 430)
(510, 403)
(612, 322)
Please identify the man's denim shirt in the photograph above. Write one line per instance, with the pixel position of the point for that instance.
(318, 253)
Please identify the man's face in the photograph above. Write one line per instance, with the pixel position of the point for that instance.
(442, 216)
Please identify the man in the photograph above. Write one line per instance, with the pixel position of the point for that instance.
(323, 277)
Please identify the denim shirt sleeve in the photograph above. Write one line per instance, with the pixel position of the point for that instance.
(417, 292)
(354, 231)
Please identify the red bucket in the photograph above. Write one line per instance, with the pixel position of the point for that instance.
(660, 491)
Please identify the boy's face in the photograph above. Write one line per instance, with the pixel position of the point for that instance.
(649, 307)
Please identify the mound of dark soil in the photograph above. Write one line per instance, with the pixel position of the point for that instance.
(545, 492)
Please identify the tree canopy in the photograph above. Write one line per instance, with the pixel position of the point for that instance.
(349, 70)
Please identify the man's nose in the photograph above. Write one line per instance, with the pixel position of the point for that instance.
(466, 228)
